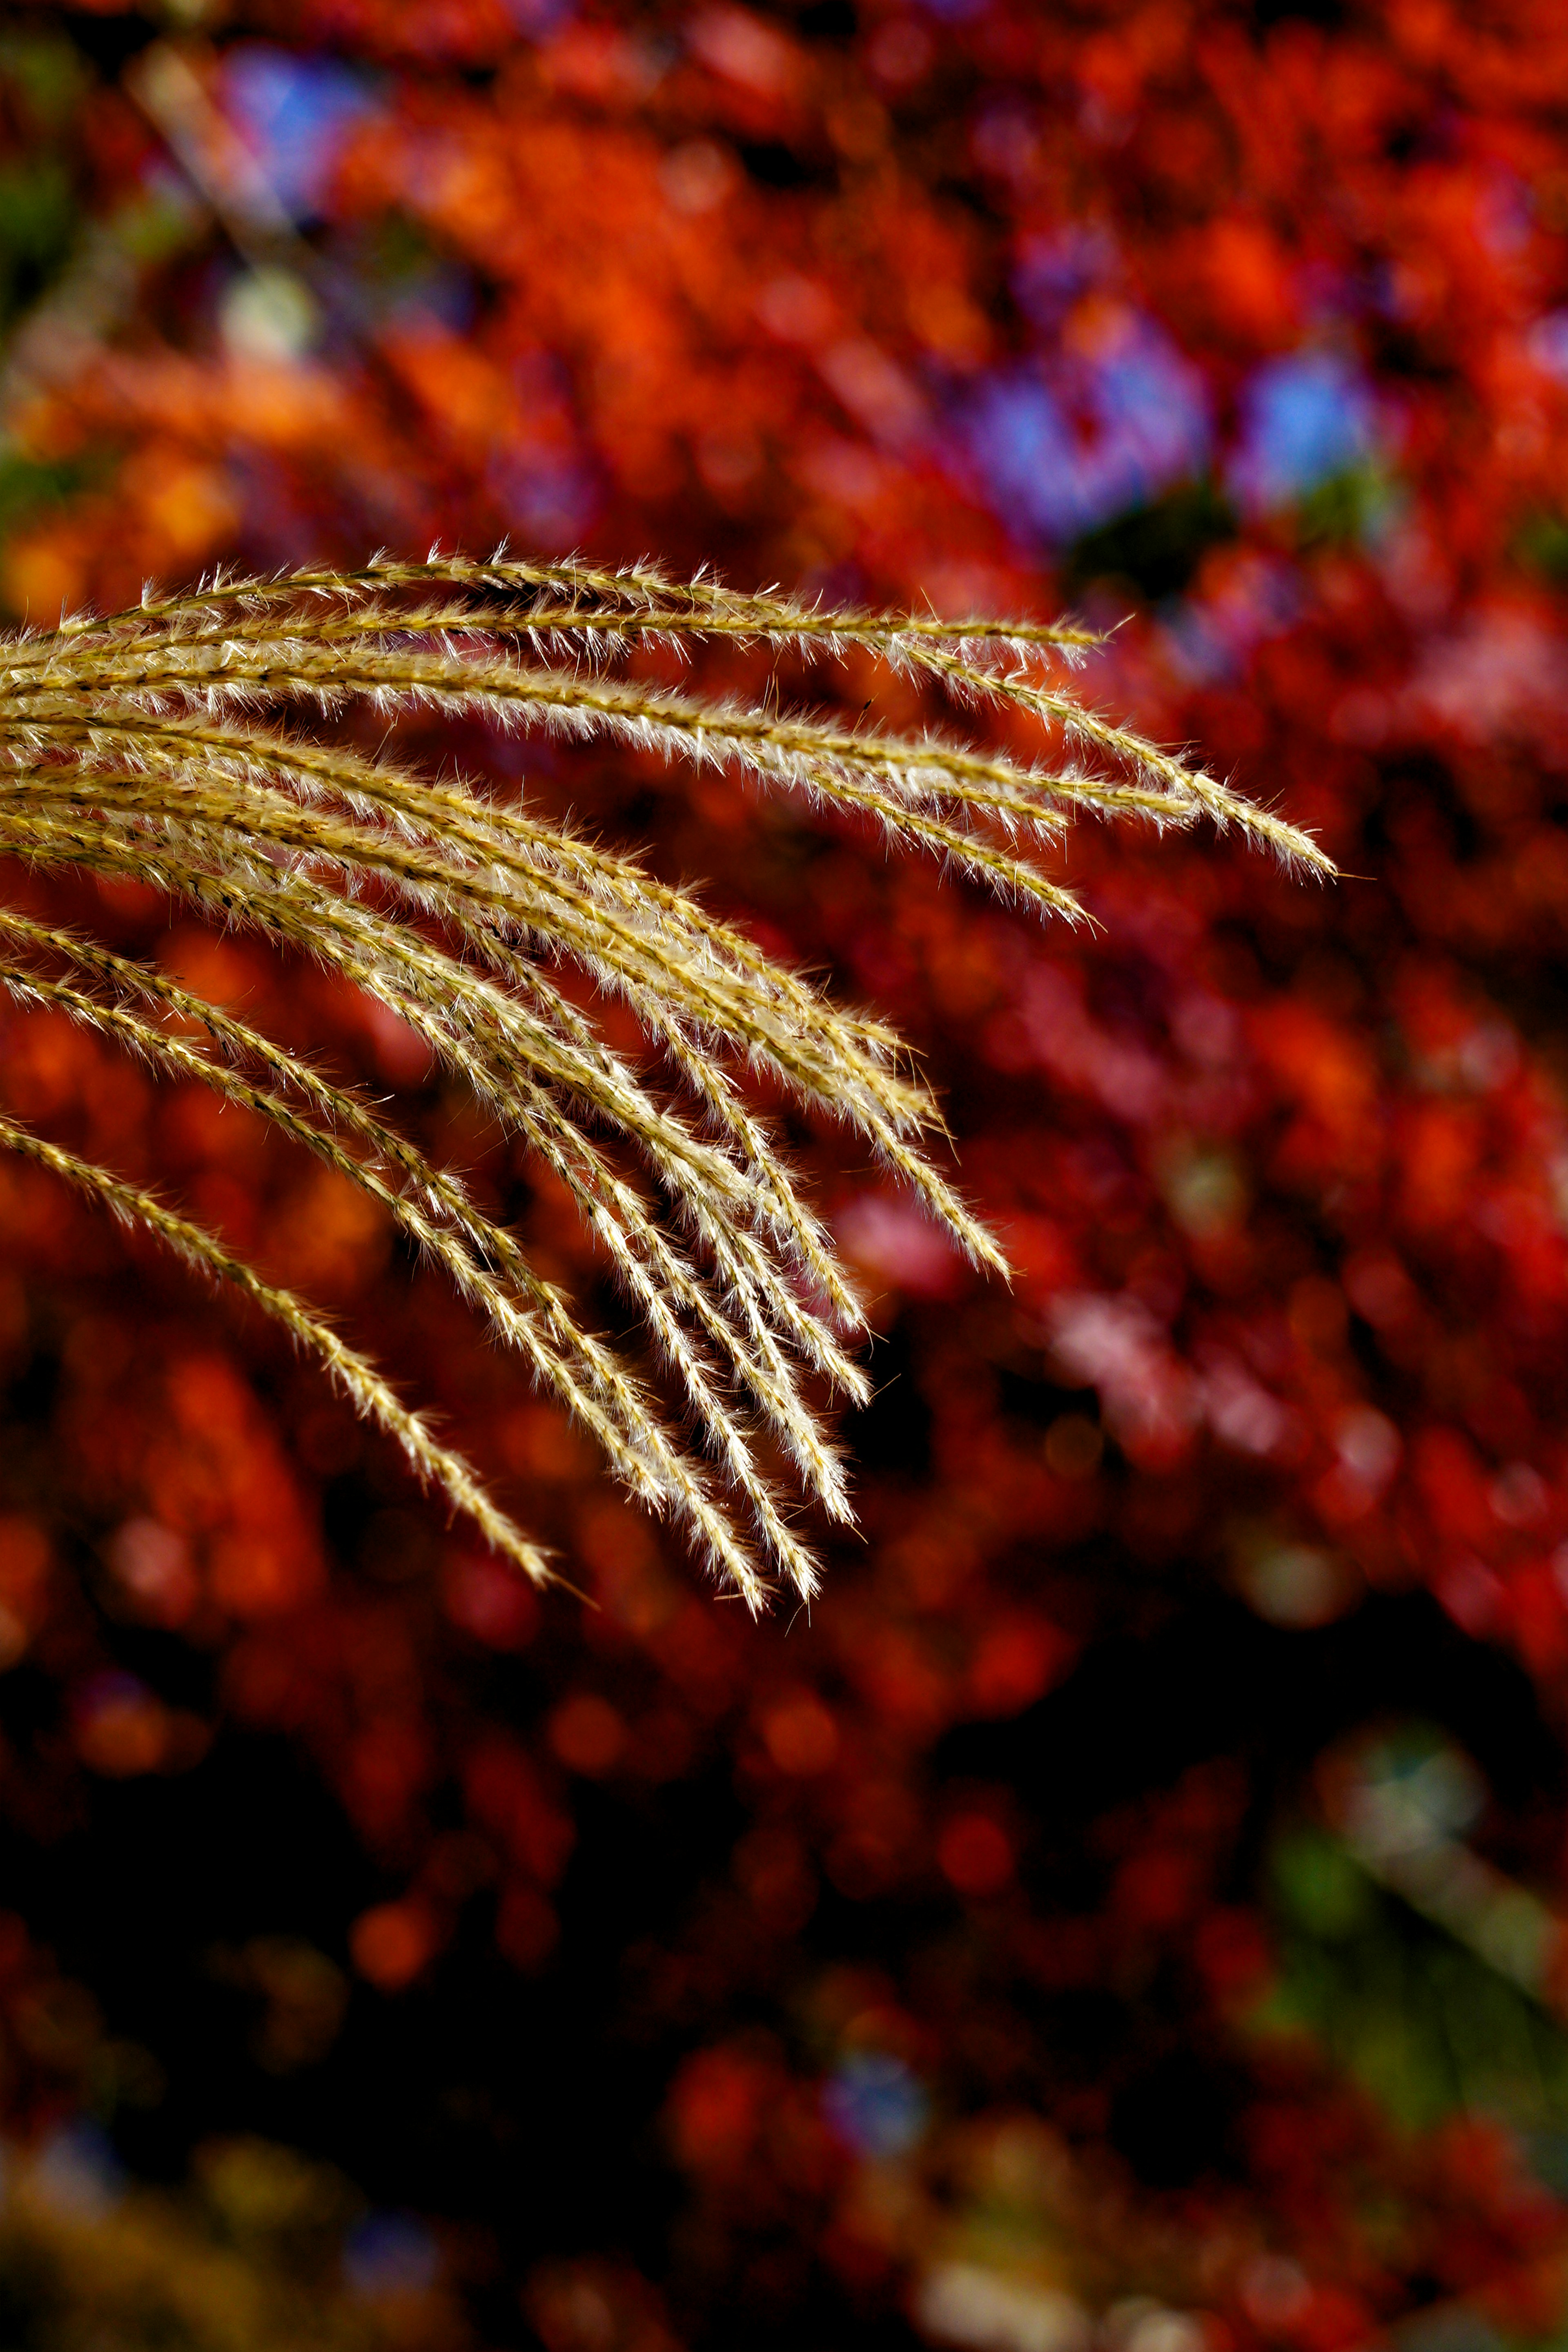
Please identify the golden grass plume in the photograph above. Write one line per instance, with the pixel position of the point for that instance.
(188, 743)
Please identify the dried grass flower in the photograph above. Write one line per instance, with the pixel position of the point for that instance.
(189, 744)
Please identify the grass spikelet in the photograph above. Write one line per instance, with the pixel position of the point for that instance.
(201, 743)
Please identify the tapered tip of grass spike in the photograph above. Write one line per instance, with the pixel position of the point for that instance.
(1296, 850)
(988, 1251)
(502, 1534)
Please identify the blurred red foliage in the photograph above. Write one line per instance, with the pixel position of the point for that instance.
(1253, 323)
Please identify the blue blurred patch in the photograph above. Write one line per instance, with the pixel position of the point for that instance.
(1059, 450)
(77, 2172)
(876, 2104)
(551, 506)
(1547, 344)
(537, 17)
(1305, 420)
(295, 114)
(1051, 273)
(390, 2253)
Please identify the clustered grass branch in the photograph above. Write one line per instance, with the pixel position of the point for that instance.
(188, 743)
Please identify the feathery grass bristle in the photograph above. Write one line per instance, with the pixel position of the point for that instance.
(149, 745)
